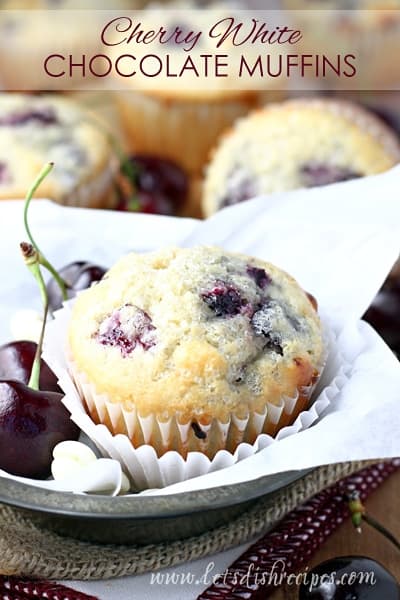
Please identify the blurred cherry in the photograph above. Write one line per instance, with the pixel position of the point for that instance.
(384, 313)
(158, 186)
(77, 276)
(349, 578)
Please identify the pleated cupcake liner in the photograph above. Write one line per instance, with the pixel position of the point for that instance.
(143, 444)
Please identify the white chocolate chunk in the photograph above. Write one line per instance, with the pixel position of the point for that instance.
(69, 457)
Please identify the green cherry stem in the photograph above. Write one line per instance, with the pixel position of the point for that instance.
(358, 515)
(42, 260)
(126, 166)
(379, 527)
(32, 261)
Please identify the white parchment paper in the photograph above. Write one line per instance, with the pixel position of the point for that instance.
(339, 242)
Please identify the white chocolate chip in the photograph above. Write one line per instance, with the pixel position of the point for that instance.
(69, 457)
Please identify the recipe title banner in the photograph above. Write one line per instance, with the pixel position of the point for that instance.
(208, 50)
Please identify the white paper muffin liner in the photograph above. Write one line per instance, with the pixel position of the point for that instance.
(142, 464)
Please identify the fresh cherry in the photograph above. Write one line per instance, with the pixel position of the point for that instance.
(349, 578)
(384, 314)
(16, 361)
(31, 424)
(159, 185)
(77, 276)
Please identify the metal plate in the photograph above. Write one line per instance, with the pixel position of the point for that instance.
(139, 519)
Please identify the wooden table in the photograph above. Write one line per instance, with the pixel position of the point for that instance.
(384, 505)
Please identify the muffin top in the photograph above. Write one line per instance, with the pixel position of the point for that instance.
(195, 331)
(35, 130)
(294, 144)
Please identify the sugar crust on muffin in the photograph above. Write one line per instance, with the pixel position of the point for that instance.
(196, 332)
(294, 144)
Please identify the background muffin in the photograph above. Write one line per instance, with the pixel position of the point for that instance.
(368, 29)
(35, 130)
(28, 36)
(195, 349)
(180, 119)
(294, 144)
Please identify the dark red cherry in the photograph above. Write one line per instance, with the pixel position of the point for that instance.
(78, 276)
(316, 174)
(31, 424)
(384, 314)
(155, 204)
(160, 186)
(349, 578)
(16, 360)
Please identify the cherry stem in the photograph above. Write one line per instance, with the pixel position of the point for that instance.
(358, 514)
(126, 166)
(376, 525)
(41, 258)
(32, 261)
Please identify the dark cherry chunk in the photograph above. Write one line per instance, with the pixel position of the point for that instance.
(126, 328)
(316, 174)
(349, 578)
(243, 190)
(198, 432)
(263, 325)
(43, 116)
(224, 300)
(259, 275)
(4, 173)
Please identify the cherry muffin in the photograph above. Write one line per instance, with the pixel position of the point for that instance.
(37, 129)
(181, 118)
(369, 30)
(195, 349)
(31, 30)
(294, 144)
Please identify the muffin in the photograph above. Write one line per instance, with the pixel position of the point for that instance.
(181, 118)
(37, 129)
(294, 144)
(31, 30)
(367, 29)
(194, 349)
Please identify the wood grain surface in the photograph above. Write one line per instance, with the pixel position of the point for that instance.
(384, 505)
